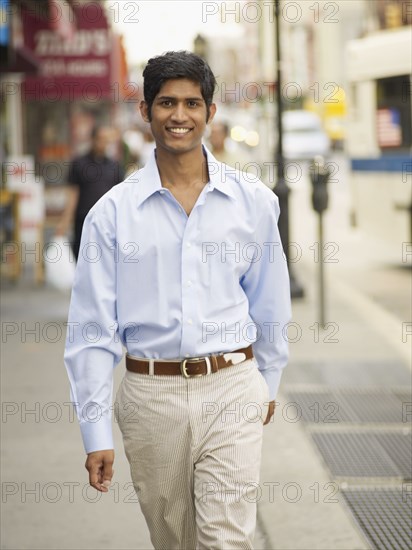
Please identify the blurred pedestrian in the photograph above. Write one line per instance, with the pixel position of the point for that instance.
(201, 315)
(89, 178)
(219, 134)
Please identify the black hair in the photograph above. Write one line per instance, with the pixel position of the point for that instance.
(181, 64)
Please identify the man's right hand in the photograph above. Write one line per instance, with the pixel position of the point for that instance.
(99, 464)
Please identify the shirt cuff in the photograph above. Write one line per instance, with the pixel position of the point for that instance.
(97, 436)
(272, 378)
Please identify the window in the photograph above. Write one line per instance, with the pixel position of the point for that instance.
(394, 114)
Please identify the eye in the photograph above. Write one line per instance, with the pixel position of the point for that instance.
(166, 103)
(193, 103)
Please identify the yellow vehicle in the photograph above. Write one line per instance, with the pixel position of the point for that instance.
(334, 118)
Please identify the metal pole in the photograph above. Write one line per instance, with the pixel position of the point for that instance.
(14, 118)
(279, 153)
(282, 189)
(321, 275)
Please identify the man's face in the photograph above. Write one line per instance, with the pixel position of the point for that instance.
(101, 141)
(217, 136)
(178, 117)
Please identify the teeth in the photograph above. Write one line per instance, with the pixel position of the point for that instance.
(179, 130)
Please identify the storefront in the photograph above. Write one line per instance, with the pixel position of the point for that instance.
(78, 86)
(64, 71)
(82, 82)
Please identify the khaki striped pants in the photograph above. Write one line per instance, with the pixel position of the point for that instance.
(194, 448)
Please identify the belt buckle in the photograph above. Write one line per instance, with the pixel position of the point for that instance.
(183, 368)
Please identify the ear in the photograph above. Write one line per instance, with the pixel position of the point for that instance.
(212, 112)
(144, 111)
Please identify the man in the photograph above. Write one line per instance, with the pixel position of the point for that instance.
(219, 132)
(187, 272)
(90, 177)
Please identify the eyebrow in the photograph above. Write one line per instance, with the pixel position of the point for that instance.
(164, 97)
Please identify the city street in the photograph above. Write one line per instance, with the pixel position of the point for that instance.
(361, 358)
(313, 99)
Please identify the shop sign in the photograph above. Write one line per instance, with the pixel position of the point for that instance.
(72, 66)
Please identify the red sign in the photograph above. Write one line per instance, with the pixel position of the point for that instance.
(62, 18)
(72, 67)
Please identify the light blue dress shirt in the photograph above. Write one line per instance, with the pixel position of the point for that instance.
(168, 285)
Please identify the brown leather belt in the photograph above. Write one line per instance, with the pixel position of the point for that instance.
(189, 367)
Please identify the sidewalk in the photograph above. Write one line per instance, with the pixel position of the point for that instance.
(307, 509)
(44, 482)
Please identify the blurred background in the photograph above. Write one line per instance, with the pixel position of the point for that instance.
(314, 98)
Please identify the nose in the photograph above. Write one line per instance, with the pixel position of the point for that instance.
(179, 113)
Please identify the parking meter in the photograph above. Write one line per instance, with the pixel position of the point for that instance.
(319, 176)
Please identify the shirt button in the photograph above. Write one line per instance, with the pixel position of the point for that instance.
(190, 321)
(162, 192)
(189, 283)
(187, 355)
(188, 245)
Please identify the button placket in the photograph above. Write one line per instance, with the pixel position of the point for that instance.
(188, 279)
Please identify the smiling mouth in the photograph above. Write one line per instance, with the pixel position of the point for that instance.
(179, 131)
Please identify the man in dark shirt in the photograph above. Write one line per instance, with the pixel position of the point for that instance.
(90, 177)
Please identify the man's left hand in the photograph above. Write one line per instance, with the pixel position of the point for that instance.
(271, 412)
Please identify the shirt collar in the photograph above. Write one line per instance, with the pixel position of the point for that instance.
(148, 178)
(220, 175)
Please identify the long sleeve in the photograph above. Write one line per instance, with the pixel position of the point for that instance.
(93, 346)
(266, 284)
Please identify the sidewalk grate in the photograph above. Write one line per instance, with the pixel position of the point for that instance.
(399, 448)
(374, 406)
(353, 405)
(366, 454)
(385, 516)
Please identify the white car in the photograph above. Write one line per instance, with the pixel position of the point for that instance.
(303, 136)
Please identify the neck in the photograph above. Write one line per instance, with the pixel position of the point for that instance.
(98, 155)
(185, 170)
